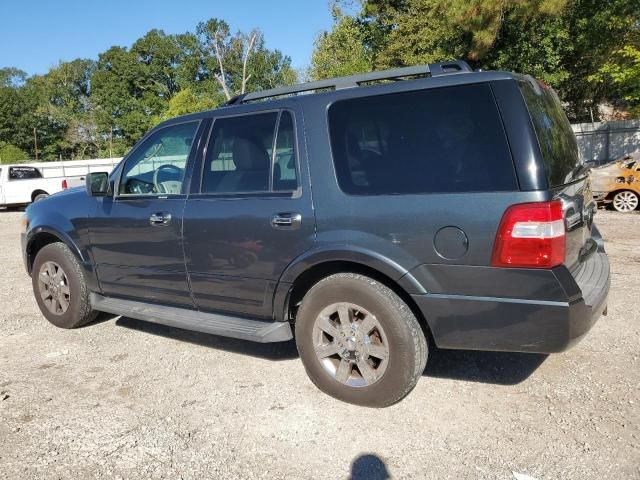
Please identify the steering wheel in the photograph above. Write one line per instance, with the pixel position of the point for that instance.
(168, 186)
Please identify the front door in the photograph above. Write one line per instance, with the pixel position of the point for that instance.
(136, 234)
(248, 214)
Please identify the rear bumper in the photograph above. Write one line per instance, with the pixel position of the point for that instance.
(521, 325)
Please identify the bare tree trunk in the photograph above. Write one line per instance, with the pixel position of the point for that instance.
(221, 78)
(246, 78)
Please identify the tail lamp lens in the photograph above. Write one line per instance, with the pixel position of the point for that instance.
(531, 235)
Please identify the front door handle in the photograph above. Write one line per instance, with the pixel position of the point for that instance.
(286, 221)
(160, 219)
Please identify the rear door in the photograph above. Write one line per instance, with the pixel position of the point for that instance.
(249, 213)
(566, 175)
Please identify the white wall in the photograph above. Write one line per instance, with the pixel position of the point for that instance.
(602, 141)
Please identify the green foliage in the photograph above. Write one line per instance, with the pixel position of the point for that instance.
(11, 154)
(12, 77)
(341, 51)
(265, 68)
(87, 108)
(187, 101)
(563, 42)
(623, 70)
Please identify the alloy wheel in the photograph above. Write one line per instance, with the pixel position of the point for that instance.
(351, 344)
(54, 288)
(625, 201)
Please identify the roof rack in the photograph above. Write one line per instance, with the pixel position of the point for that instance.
(432, 69)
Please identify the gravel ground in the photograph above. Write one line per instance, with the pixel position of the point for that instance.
(127, 399)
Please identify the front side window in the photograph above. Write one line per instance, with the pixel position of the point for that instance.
(24, 173)
(157, 166)
(438, 140)
(242, 156)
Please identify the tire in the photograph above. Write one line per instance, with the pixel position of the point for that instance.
(625, 201)
(395, 350)
(55, 291)
(40, 196)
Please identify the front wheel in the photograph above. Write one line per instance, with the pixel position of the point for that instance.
(359, 342)
(625, 201)
(59, 287)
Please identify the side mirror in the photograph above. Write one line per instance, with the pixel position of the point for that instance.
(97, 184)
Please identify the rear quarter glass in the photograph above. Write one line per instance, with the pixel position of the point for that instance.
(442, 140)
(555, 137)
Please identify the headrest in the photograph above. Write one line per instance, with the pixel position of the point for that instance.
(249, 155)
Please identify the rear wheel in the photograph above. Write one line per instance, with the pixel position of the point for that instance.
(40, 196)
(625, 201)
(59, 287)
(359, 342)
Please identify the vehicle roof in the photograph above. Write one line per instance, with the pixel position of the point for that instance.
(449, 79)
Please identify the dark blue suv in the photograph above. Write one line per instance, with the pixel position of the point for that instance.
(364, 214)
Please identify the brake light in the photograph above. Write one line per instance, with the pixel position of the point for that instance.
(64, 184)
(531, 235)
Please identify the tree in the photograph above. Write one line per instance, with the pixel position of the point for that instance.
(623, 70)
(12, 77)
(420, 31)
(241, 62)
(563, 42)
(11, 154)
(566, 50)
(124, 95)
(341, 51)
(187, 101)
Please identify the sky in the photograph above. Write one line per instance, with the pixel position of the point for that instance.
(37, 34)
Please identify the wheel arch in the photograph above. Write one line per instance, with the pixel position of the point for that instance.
(43, 236)
(289, 294)
(37, 192)
(610, 196)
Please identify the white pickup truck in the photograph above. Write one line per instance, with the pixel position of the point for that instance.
(29, 182)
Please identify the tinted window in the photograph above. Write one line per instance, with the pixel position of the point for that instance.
(285, 177)
(241, 157)
(157, 166)
(555, 137)
(438, 140)
(24, 173)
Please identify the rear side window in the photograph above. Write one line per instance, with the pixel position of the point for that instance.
(251, 154)
(24, 173)
(555, 137)
(438, 140)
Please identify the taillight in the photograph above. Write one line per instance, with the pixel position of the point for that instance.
(64, 184)
(530, 235)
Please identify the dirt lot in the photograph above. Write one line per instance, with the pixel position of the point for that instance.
(126, 399)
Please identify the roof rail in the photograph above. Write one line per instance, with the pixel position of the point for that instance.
(432, 69)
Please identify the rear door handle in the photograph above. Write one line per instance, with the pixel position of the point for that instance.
(286, 221)
(160, 219)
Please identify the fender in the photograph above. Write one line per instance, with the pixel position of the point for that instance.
(85, 263)
(345, 253)
(64, 237)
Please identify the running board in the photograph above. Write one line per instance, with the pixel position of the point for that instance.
(216, 324)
